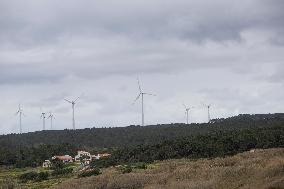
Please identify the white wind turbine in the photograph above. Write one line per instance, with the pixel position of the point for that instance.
(141, 93)
(187, 109)
(208, 106)
(20, 113)
(51, 117)
(43, 119)
(73, 107)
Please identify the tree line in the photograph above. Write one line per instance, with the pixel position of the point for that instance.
(215, 144)
(135, 135)
(134, 143)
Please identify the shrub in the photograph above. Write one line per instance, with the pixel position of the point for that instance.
(140, 165)
(102, 163)
(126, 169)
(42, 176)
(62, 171)
(28, 176)
(90, 172)
(57, 164)
(34, 176)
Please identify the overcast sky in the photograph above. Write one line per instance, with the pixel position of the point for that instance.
(227, 53)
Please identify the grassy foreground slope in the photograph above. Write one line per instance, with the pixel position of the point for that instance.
(262, 169)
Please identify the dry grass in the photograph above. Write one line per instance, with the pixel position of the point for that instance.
(263, 169)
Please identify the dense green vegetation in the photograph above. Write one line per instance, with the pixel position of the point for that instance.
(32, 156)
(134, 143)
(135, 135)
(217, 144)
(90, 172)
(34, 176)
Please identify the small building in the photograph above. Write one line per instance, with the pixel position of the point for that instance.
(83, 156)
(46, 164)
(64, 159)
(99, 156)
(104, 155)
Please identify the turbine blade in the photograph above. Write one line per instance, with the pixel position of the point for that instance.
(139, 85)
(137, 98)
(184, 105)
(78, 97)
(68, 100)
(150, 94)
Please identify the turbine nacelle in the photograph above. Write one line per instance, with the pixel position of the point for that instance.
(187, 108)
(43, 115)
(20, 110)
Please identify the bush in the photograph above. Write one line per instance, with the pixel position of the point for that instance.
(28, 176)
(42, 176)
(62, 171)
(126, 169)
(34, 176)
(57, 164)
(90, 172)
(102, 163)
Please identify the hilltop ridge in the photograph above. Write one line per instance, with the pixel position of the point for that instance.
(134, 135)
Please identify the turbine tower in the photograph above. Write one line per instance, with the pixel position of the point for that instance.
(20, 113)
(208, 106)
(141, 93)
(187, 112)
(51, 117)
(73, 107)
(43, 120)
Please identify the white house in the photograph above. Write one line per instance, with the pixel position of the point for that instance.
(46, 164)
(83, 155)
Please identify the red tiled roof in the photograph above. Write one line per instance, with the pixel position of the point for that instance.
(63, 157)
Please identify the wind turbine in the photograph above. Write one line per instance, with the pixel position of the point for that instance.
(73, 107)
(51, 117)
(20, 113)
(208, 106)
(187, 111)
(141, 93)
(43, 119)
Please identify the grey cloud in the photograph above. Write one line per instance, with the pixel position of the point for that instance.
(26, 74)
(227, 52)
(46, 22)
